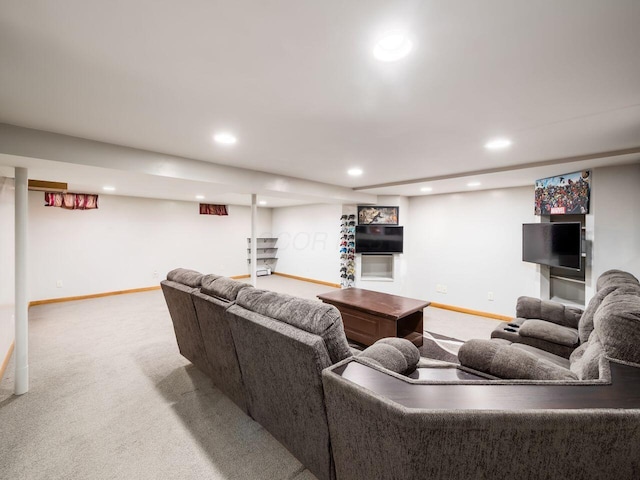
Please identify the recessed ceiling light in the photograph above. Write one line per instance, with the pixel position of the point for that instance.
(199, 197)
(225, 138)
(354, 172)
(108, 188)
(262, 202)
(473, 184)
(426, 189)
(392, 46)
(498, 144)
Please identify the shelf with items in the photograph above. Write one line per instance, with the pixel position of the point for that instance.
(347, 251)
(266, 252)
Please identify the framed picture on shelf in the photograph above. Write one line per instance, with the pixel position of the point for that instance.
(377, 215)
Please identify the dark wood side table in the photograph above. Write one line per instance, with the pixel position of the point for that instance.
(369, 316)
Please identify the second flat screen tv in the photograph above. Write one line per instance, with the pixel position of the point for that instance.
(553, 244)
(379, 239)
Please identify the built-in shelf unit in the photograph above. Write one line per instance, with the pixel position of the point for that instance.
(567, 285)
(266, 254)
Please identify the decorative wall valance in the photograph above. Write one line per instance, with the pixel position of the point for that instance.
(209, 209)
(71, 201)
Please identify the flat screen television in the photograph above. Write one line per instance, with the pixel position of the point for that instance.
(379, 239)
(553, 244)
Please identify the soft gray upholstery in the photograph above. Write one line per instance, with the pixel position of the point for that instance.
(179, 300)
(374, 438)
(612, 320)
(554, 312)
(219, 347)
(512, 334)
(281, 368)
(386, 355)
(617, 277)
(550, 332)
(311, 316)
(187, 277)
(508, 361)
(223, 288)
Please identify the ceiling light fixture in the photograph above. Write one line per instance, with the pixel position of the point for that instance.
(199, 197)
(225, 138)
(426, 189)
(392, 46)
(355, 172)
(473, 184)
(497, 144)
(262, 202)
(108, 188)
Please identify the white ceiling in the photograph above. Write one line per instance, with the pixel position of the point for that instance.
(296, 82)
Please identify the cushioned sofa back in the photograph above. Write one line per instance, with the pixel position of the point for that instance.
(311, 316)
(281, 369)
(183, 315)
(615, 277)
(216, 334)
(374, 438)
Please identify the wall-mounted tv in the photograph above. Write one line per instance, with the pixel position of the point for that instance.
(553, 244)
(379, 239)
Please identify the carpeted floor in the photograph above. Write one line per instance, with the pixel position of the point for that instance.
(111, 398)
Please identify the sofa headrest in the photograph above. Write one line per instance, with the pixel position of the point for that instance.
(585, 327)
(308, 315)
(191, 278)
(617, 324)
(222, 287)
(396, 354)
(615, 277)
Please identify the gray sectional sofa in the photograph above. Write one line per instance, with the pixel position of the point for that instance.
(266, 351)
(376, 416)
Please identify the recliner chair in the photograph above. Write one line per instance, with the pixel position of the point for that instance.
(554, 327)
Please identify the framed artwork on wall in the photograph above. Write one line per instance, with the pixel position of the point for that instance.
(564, 194)
(377, 215)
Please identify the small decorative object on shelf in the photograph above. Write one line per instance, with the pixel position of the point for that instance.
(347, 251)
(266, 255)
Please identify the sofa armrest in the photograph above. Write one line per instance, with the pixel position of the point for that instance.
(550, 332)
(506, 361)
(396, 354)
(548, 310)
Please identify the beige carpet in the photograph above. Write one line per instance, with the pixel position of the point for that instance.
(111, 398)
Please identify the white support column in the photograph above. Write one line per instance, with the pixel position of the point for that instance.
(22, 314)
(254, 241)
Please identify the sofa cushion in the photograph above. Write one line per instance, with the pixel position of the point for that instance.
(507, 361)
(550, 332)
(585, 360)
(558, 360)
(396, 354)
(222, 287)
(309, 315)
(617, 324)
(615, 277)
(385, 356)
(529, 307)
(191, 278)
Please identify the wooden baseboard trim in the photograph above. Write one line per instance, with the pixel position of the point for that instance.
(310, 280)
(495, 316)
(5, 362)
(238, 277)
(93, 295)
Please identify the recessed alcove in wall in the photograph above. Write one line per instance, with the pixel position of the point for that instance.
(376, 267)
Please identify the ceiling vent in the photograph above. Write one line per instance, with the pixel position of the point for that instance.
(44, 186)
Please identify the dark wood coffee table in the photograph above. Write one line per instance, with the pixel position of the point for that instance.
(369, 316)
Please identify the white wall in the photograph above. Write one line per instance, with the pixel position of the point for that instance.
(7, 265)
(472, 244)
(615, 205)
(308, 241)
(120, 245)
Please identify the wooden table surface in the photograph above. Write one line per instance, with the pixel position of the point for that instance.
(381, 304)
